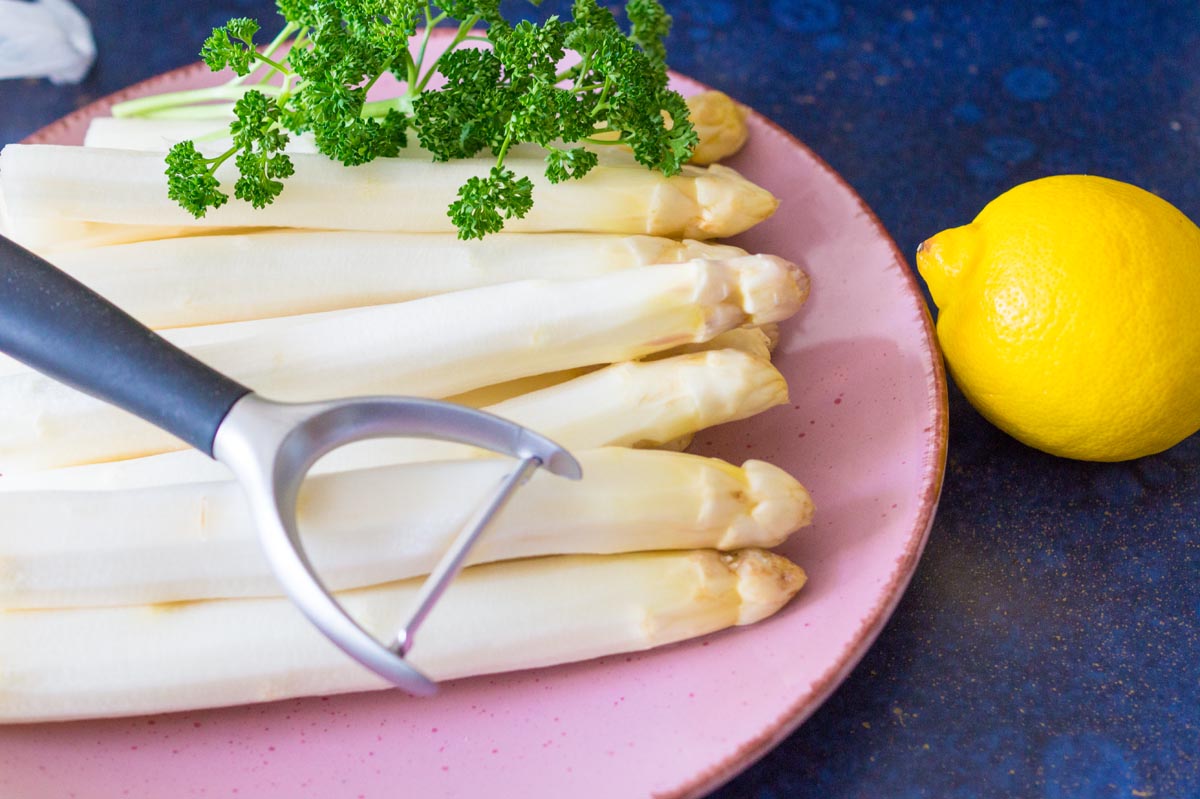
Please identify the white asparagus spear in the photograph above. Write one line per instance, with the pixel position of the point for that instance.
(44, 181)
(211, 137)
(160, 135)
(47, 236)
(758, 341)
(500, 617)
(434, 347)
(720, 124)
(635, 403)
(198, 540)
(202, 280)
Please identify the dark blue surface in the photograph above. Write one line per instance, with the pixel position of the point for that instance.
(1049, 644)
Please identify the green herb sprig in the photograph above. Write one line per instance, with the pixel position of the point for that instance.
(315, 75)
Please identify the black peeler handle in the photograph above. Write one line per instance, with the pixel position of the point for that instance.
(60, 327)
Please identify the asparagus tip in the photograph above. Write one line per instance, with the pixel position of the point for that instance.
(767, 388)
(749, 385)
(729, 203)
(778, 506)
(721, 123)
(772, 288)
(766, 582)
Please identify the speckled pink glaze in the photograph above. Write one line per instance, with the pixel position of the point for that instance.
(865, 431)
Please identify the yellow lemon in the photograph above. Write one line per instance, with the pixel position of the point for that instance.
(1069, 315)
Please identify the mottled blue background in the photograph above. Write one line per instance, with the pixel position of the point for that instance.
(1048, 646)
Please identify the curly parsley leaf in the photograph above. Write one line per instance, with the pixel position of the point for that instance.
(485, 10)
(468, 113)
(231, 45)
(484, 203)
(650, 24)
(261, 161)
(567, 164)
(190, 180)
(617, 93)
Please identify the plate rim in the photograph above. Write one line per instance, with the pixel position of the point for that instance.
(933, 478)
(933, 467)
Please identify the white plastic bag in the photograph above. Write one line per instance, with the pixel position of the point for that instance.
(45, 39)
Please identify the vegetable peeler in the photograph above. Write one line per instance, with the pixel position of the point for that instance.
(55, 324)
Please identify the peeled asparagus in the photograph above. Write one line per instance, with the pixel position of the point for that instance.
(91, 184)
(495, 618)
(634, 403)
(201, 280)
(198, 540)
(719, 121)
(758, 341)
(48, 236)
(211, 137)
(160, 135)
(434, 347)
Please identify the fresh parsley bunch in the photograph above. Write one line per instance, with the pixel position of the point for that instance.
(315, 75)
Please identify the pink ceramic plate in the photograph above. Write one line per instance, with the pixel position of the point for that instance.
(865, 431)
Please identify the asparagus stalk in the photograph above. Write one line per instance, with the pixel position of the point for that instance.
(720, 124)
(758, 341)
(201, 280)
(501, 617)
(92, 184)
(211, 137)
(634, 403)
(160, 135)
(484, 336)
(198, 540)
(49, 235)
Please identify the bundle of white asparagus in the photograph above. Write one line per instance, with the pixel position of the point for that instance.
(620, 340)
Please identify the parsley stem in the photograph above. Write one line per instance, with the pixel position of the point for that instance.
(464, 30)
(301, 40)
(273, 64)
(386, 66)
(380, 108)
(216, 161)
(279, 39)
(285, 90)
(410, 69)
(579, 70)
(145, 106)
(504, 149)
(287, 31)
(619, 140)
(601, 101)
(430, 24)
